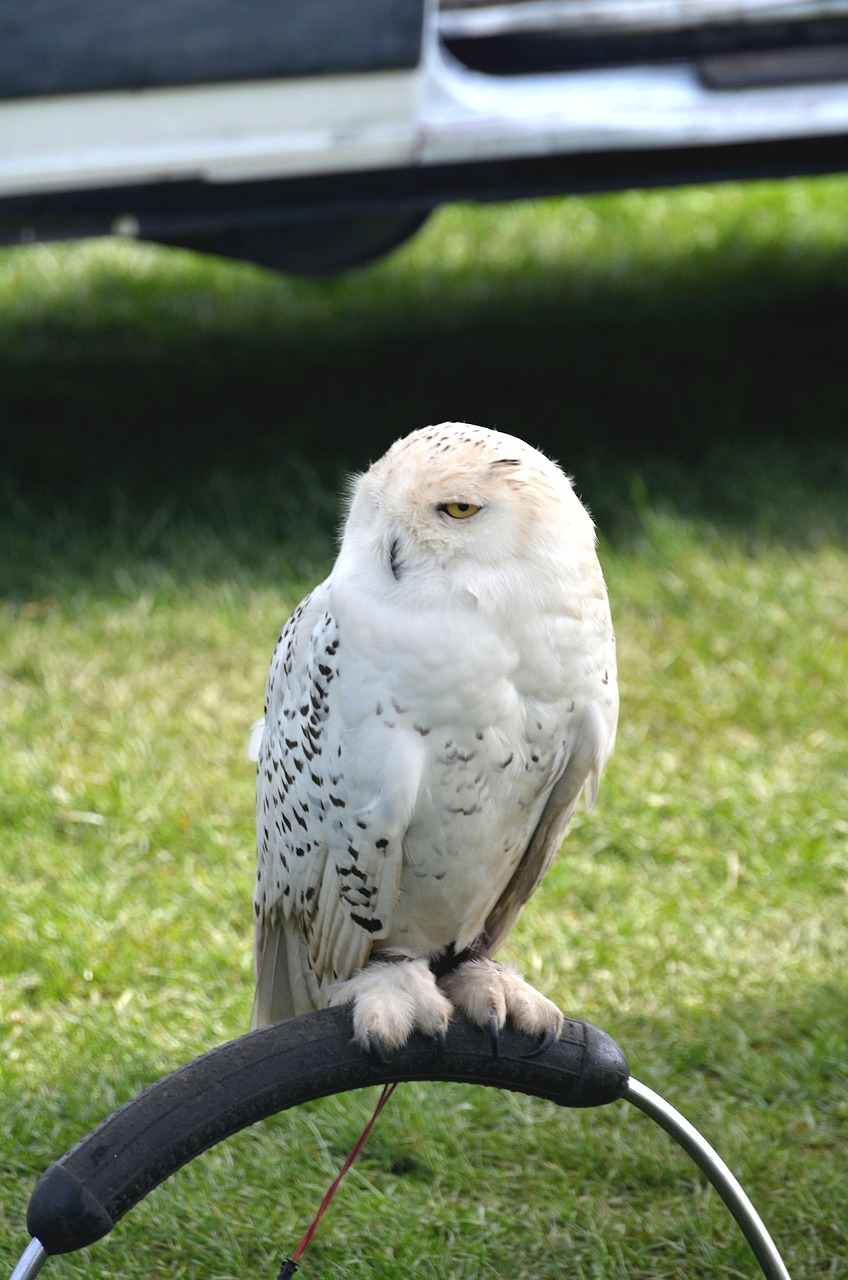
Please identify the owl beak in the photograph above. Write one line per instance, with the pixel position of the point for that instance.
(394, 559)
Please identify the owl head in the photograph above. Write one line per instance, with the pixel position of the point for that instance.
(462, 504)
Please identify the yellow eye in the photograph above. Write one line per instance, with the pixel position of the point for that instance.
(459, 510)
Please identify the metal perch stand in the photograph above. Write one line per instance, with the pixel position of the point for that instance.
(80, 1198)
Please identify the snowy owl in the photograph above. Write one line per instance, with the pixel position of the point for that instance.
(433, 710)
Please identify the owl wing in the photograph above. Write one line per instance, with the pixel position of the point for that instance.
(335, 789)
(587, 757)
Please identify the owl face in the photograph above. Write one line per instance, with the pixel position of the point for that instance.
(458, 499)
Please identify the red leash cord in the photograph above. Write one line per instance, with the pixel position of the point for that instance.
(290, 1264)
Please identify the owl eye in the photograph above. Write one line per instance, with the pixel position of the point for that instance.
(459, 510)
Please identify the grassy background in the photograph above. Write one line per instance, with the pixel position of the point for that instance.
(174, 435)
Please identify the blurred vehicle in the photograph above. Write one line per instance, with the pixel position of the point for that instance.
(312, 135)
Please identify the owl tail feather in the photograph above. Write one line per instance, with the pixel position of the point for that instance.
(273, 999)
(286, 983)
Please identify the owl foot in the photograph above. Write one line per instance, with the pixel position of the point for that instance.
(392, 999)
(488, 994)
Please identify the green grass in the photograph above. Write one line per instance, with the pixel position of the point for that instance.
(165, 503)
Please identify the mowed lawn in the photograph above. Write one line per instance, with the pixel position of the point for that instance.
(175, 436)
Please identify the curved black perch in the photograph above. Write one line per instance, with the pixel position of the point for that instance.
(81, 1197)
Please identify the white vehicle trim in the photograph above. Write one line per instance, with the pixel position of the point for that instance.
(219, 133)
(630, 17)
(468, 115)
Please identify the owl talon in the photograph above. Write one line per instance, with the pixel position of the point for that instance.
(375, 1048)
(390, 1002)
(490, 995)
(494, 1032)
(549, 1037)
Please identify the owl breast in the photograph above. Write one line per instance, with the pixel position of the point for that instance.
(495, 741)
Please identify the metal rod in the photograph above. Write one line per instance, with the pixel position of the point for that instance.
(30, 1262)
(711, 1164)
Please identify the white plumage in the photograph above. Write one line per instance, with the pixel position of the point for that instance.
(433, 710)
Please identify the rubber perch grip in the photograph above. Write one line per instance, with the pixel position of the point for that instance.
(81, 1197)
